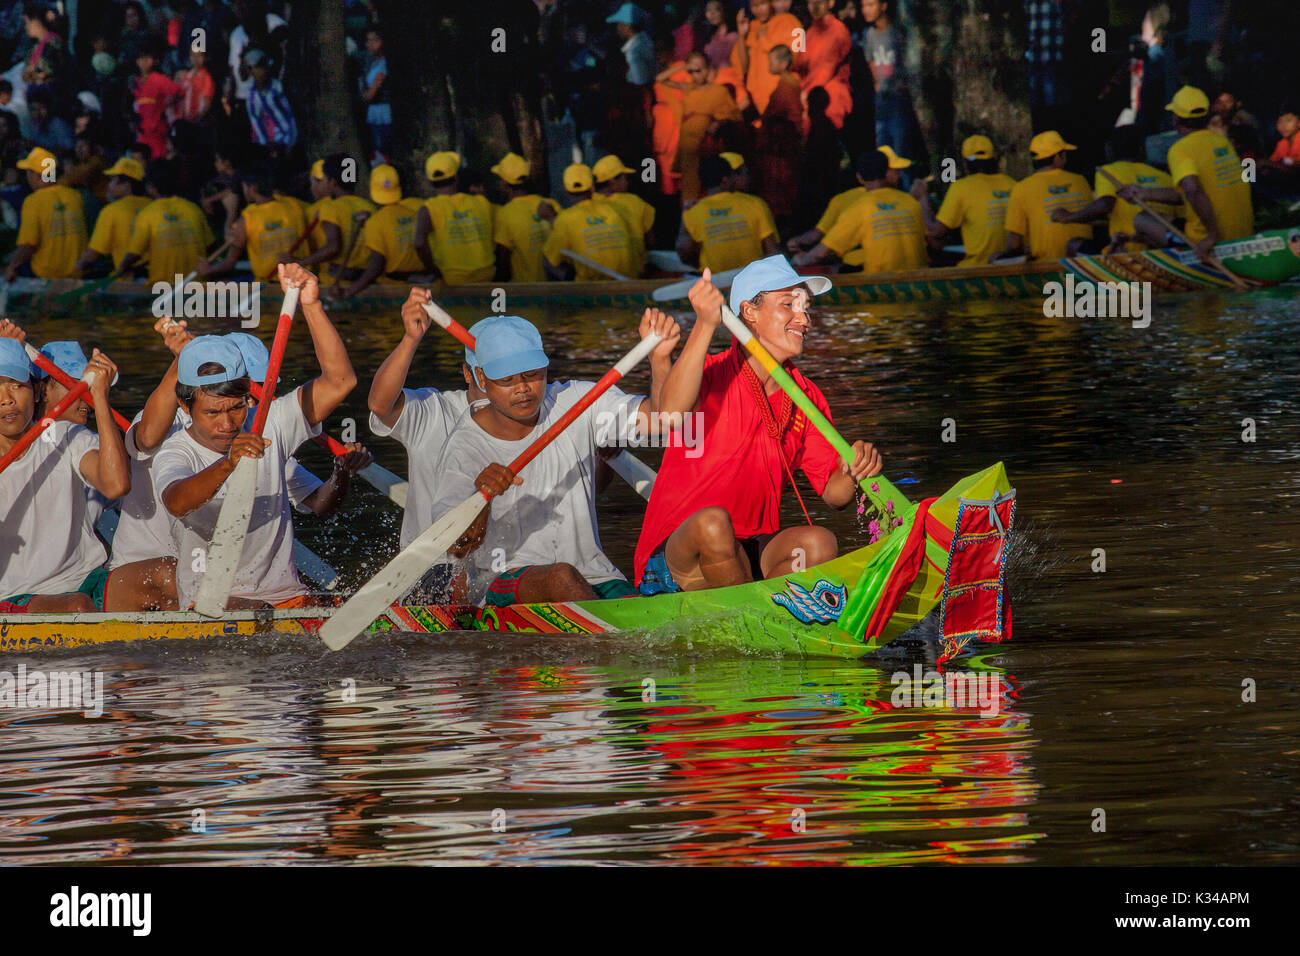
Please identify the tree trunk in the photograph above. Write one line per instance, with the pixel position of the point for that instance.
(465, 78)
(969, 58)
(318, 81)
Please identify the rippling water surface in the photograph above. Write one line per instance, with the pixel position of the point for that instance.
(1121, 691)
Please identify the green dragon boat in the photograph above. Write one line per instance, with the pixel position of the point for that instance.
(1264, 259)
(945, 553)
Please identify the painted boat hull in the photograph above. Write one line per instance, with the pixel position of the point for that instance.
(1264, 259)
(745, 617)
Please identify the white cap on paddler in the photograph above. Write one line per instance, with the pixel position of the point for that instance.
(506, 345)
(215, 349)
(768, 275)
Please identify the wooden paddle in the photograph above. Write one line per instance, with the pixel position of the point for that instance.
(577, 257)
(51, 416)
(379, 478)
(210, 256)
(888, 499)
(626, 465)
(1170, 227)
(678, 290)
(403, 571)
(67, 381)
(227, 544)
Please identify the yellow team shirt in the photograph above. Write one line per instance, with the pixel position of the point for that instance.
(836, 207)
(317, 238)
(1124, 212)
(730, 230)
(461, 240)
(53, 221)
(270, 229)
(977, 205)
(519, 229)
(341, 212)
(173, 233)
(888, 225)
(112, 234)
(1210, 158)
(1030, 210)
(595, 229)
(640, 218)
(390, 231)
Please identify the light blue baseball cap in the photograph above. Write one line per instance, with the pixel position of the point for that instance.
(255, 353)
(768, 275)
(210, 348)
(69, 356)
(14, 363)
(506, 345)
(628, 13)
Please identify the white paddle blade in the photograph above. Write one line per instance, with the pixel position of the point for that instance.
(314, 566)
(227, 545)
(674, 291)
(387, 483)
(399, 575)
(635, 472)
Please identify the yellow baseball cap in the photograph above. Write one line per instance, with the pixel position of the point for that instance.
(1047, 144)
(609, 167)
(126, 166)
(442, 165)
(36, 160)
(513, 168)
(1189, 103)
(895, 161)
(734, 160)
(318, 169)
(385, 188)
(577, 178)
(977, 147)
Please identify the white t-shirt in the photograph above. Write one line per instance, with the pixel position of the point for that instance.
(43, 516)
(551, 517)
(144, 530)
(267, 571)
(427, 418)
(239, 43)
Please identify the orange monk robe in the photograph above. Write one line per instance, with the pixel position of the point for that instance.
(777, 31)
(704, 105)
(666, 122)
(778, 146)
(826, 64)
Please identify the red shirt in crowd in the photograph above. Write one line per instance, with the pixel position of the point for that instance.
(197, 90)
(1287, 151)
(151, 95)
(735, 462)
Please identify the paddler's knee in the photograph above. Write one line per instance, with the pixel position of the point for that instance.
(712, 529)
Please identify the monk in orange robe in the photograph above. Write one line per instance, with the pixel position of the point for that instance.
(778, 143)
(758, 35)
(666, 124)
(826, 62)
(707, 106)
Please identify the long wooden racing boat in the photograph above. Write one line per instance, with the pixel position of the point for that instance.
(945, 552)
(1264, 259)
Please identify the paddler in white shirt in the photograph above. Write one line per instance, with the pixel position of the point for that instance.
(191, 468)
(537, 540)
(49, 562)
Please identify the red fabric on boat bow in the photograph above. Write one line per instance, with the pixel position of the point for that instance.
(973, 586)
(906, 567)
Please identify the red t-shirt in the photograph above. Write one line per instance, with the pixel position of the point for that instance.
(736, 463)
(1287, 149)
(151, 95)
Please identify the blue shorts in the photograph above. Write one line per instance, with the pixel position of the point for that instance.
(656, 578)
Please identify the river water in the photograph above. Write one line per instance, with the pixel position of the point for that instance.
(1121, 734)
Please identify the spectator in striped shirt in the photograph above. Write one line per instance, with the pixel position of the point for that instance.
(269, 111)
